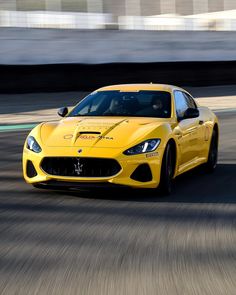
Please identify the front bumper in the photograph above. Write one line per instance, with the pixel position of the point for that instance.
(123, 178)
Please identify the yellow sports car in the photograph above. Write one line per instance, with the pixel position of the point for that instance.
(140, 136)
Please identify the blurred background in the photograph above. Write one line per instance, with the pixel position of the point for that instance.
(123, 14)
(52, 53)
(65, 36)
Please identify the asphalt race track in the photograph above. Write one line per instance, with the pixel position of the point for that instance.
(119, 242)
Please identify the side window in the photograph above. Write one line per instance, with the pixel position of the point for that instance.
(190, 100)
(181, 103)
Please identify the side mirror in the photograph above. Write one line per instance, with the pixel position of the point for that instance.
(62, 112)
(191, 113)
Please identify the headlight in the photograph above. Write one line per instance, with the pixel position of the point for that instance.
(33, 145)
(143, 147)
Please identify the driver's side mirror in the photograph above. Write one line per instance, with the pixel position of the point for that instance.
(62, 112)
(191, 113)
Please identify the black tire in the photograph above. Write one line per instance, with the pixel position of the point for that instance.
(213, 153)
(167, 170)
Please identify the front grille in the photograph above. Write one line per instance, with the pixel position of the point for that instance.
(80, 167)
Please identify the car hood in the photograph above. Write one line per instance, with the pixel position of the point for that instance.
(97, 132)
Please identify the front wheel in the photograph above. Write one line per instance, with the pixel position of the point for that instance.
(167, 170)
(213, 153)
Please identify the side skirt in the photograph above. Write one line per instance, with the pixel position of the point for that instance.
(191, 165)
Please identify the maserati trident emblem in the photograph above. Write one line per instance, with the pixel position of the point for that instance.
(78, 167)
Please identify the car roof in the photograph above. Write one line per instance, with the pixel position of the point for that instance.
(140, 87)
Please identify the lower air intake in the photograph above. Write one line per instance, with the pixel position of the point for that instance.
(30, 170)
(142, 173)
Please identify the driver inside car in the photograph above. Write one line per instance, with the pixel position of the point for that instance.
(157, 104)
(116, 107)
(155, 108)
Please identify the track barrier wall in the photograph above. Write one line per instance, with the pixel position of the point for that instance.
(73, 77)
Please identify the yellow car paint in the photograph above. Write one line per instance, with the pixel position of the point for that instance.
(114, 135)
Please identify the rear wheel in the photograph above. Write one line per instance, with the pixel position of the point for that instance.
(213, 153)
(167, 170)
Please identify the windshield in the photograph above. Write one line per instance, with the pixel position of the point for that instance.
(135, 104)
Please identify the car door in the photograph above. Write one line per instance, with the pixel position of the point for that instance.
(187, 131)
(203, 132)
